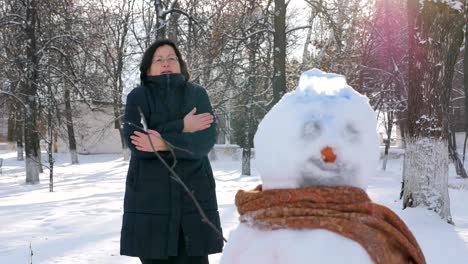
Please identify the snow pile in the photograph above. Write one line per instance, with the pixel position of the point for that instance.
(80, 222)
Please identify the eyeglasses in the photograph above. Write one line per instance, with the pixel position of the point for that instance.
(170, 60)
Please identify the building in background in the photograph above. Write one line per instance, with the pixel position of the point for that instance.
(95, 132)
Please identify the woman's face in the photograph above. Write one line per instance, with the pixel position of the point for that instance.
(164, 61)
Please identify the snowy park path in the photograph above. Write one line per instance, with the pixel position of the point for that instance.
(80, 221)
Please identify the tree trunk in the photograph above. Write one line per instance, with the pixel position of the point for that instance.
(246, 156)
(12, 117)
(39, 151)
(388, 130)
(319, 60)
(55, 141)
(15, 129)
(414, 82)
(19, 135)
(70, 129)
(32, 76)
(50, 141)
(453, 154)
(32, 153)
(173, 30)
(426, 167)
(306, 53)
(161, 23)
(402, 125)
(67, 98)
(125, 149)
(51, 168)
(465, 78)
(247, 140)
(279, 51)
(191, 41)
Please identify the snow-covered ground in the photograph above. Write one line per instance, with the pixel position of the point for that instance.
(80, 221)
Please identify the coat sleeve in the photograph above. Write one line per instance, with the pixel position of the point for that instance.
(132, 116)
(196, 145)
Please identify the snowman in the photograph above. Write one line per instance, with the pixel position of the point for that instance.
(315, 152)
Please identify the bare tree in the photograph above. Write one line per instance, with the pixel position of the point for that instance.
(116, 21)
(435, 37)
(35, 34)
(279, 54)
(253, 36)
(307, 42)
(383, 62)
(66, 61)
(29, 89)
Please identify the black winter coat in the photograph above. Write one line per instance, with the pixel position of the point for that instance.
(156, 207)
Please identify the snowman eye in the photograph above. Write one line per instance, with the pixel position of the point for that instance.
(351, 133)
(311, 130)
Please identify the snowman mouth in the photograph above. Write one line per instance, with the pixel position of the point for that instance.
(325, 166)
(316, 172)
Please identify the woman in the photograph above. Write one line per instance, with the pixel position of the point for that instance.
(161, 223)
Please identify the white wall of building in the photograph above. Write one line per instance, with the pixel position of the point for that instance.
(94, 131)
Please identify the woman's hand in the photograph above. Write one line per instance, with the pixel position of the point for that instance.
(194, 123)
(142, 142)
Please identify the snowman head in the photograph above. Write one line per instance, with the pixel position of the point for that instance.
(321, 134)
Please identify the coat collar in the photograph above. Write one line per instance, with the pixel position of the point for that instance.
(165, 80)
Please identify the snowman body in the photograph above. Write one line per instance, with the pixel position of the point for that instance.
(250, 245)
(321, 134)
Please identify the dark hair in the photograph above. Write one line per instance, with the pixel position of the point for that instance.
(148, 58)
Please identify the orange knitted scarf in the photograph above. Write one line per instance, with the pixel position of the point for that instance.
(347, 211)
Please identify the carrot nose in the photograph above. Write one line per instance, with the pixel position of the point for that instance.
(328, 155)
